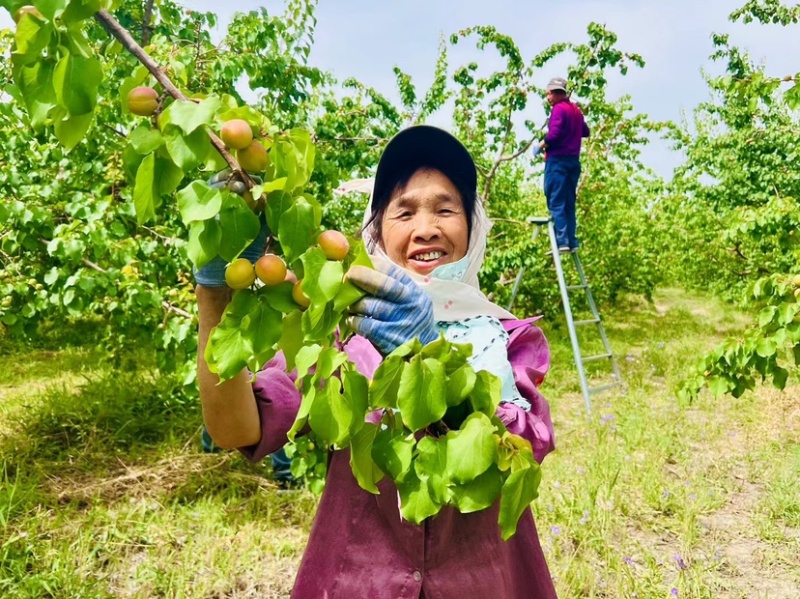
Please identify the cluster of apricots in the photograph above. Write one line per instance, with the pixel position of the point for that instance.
(250, 153)
(271, 269)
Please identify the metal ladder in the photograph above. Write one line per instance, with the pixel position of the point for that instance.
(572, 324)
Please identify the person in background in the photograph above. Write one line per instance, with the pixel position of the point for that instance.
(562, 147)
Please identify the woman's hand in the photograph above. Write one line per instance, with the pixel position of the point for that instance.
(213, 273)
(395, 310)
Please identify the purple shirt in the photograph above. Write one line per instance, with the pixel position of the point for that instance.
(565, 129)
(360, 547)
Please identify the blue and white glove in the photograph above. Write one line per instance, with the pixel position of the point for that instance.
(395, 310)
(537, 149)
(213, 273)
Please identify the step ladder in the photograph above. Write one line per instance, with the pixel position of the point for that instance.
(572, 324)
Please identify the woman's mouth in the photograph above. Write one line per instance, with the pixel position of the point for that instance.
(425, 262)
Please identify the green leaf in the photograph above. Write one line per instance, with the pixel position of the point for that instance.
(361, 463)
(330, 279)
(280, 298)
(779, 377)
(348, 293)
(78, 10)
(519, 490)
(296, 228)
(32, 36)
(262, 327)
(460, 384)
(431, 466)
(313, 262)
(240, 226)
(766, 347)
(187, 151)
(203, 245)
(392, 452)
(421, 395)
(718, 386)
(229, 347)
(306, 358)
(76, 81)
(168, 177)
(189, 114)
(52, 8)
(386, 383)
(291, 338)
(330, 415)
(416, 502)
(197, 201)
(479, 493)
(145, 140)
(766, 315)
(36, 85)
(328, 362)
(144, 199)
(277, 203)
(487, 393)
(70, 130)
(472, 449)
(356, 392)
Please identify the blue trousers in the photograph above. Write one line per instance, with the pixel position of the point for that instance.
(561, 174)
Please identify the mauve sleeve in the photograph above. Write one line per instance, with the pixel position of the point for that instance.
(555, 126)
(529, 355)
(278, 401)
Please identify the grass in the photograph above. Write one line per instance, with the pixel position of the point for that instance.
(104, 491)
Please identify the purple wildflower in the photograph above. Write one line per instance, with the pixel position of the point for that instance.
(674, 592)
(679, 561)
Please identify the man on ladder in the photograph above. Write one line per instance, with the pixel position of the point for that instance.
(562, 146)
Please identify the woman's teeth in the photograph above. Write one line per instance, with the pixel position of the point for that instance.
(429, 256)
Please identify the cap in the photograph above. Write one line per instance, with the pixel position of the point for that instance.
(557, 83)
(420, 146)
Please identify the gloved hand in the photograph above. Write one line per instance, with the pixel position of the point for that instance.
(537, 149)
(395, 310)
(213, 273)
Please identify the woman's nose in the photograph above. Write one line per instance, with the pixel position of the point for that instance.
(426, 227)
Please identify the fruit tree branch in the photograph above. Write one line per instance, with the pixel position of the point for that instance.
(147, 19)
(122, 35)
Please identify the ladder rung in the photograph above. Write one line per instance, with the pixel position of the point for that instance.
(604, 387)
(595, 358)
(539, 220)
(574, 287)
(579, 323)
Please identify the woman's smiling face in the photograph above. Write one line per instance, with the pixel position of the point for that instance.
(425, 224)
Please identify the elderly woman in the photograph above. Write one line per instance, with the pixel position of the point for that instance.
(427, 231)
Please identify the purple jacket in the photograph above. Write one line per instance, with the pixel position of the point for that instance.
(360, 547)
(565, 129)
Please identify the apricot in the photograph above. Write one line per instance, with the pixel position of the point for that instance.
(253, 158)
(300, 298)
(796, 281)
(143, 101)
(240, 274)
(236, 134)
(271, 270)
(28, 9)
(334, 244)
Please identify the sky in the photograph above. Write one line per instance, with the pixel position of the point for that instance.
(367, 38)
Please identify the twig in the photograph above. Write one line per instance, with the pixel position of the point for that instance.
(146, 20)
(122, 35)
